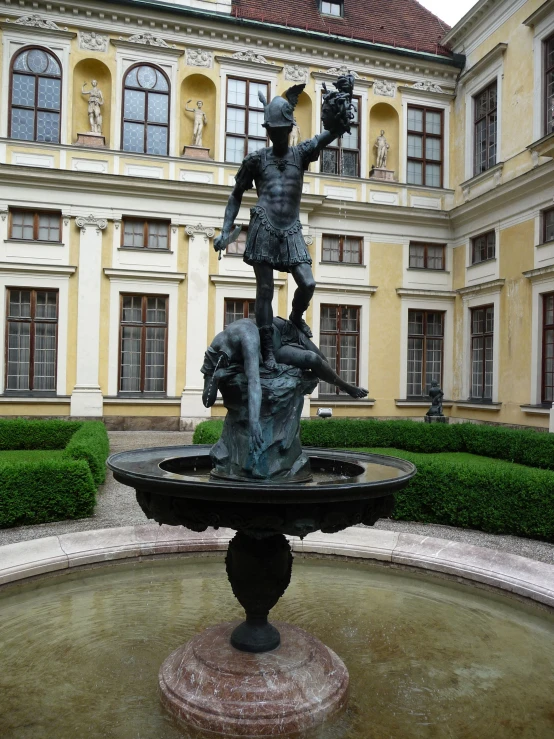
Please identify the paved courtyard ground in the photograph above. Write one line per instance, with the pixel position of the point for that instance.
(117, 507)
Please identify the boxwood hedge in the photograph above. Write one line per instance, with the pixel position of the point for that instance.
(44, 490)
(503, 499)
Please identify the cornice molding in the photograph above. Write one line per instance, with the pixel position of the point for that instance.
(331, 287)
(540, 274)
(136, 46)
(48, 28)
(493, 56)
(242, 280)
(433, 92)
(37, 269)
(492, 286)
(139, 274)
(407, 292)
(540, 14)
(240, 59)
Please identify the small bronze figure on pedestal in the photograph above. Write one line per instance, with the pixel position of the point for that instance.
(435, 414)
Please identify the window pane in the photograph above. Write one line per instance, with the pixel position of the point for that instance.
(156, 140)
(349, 319)
(331, 248)
(415, 173)
(481, 147)
(255, 120)
(133, 137)
(158, 108)
(329, 318)
(349, 161)
(45, 356)
(161, 83)
(253, 99)
(329, 161)
(415, 322)
(156, 310)
(433, 363)
(433, 149)
(417, 256)
(133, 234)
(238, 247)
(147, 77)
(349, 358)
(255, 145)
(23, 124)
(350, 140)
(415, 146)
(548, 310)
(415, 367)
(236, 120)
(23, 90)
(49, 227)
(135, 105)
(432, 175)
(130, 358)
(435, 257)
(49, 93)
(236, 92)
(23, 225)
(351, 250)
(549, 225)
(234, 311)
(415, 119)
(20, 304)
(46, 305)
(132, 309)
(154, 380)
(19, 356)
(435, 324)
(477, 368)
(433, 123)
(489, 320)
(158, 234)
(48, 126)
(235, 149)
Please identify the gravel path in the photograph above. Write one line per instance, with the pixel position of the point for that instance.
(117, 507)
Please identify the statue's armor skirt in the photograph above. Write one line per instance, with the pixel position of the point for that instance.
(281, 248)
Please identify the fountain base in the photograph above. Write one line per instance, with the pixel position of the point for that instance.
(212, 687)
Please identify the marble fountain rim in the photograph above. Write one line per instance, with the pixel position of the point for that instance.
(501, 570)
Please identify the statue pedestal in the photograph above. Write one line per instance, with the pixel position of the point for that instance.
(281, 456)
(385, 175)
(197, 152)
(93, 140)
(436, 419)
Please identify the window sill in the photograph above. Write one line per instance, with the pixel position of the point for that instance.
(545, 243)
(9, 398)
(335, 400)
(482, 405)
(344, 264)
(428, 269)
(26, 242)
(415, 403)
(144, 248)
(540, 410)
(478, 264)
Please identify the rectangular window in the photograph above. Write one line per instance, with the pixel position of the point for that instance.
(425, 351)
(238, 247)
(237, 309)
(140, 234)
(549, 85)
(340, 343)
(483, 247)
(331, 8)
(343, 157)
(548, 225)
(547, 392)
(244, 118)
(486, 128)
(482, 337)
(426, 256)
(425, 146)
(346, 249)
(31, 340)
(143, 342)
(39, 225)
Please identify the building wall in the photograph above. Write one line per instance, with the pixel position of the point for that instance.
(105, 185)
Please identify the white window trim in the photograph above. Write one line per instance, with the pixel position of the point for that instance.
(542, 31)
(347, 298)
(473, 87)
(40, 282)
(428, 304)
(422, 101)
(225, 291)
(475, 301)
(265, 74)
(480, 232)
(539, 288)
(13, 41)
(126, 58)
(143, 287)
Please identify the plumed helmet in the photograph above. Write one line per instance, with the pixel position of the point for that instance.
(279, 113)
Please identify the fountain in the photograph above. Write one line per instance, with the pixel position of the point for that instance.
(256, 678)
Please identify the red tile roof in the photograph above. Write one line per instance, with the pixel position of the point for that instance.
(401, 23)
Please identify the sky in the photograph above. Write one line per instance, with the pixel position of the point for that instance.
(449, 11)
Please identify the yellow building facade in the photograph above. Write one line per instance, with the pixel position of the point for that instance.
(439, 265)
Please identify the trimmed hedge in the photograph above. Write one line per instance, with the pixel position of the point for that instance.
(49, 490)
(500, 499)
(44, 490)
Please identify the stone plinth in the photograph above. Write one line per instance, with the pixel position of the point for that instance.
(197, 152)
(378, 173)
(281, 455)
(436, 419)
(212, 687)
(94, 140)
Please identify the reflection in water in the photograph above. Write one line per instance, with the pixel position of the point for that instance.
(79, 654)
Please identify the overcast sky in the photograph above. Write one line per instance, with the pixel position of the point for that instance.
(449, 10)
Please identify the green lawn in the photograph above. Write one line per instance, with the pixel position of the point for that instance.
(459, 458)
(30, 455)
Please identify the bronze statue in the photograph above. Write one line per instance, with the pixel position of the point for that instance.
(436, 395)
(275, 240)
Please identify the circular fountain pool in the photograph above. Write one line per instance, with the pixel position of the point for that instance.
(80, 653)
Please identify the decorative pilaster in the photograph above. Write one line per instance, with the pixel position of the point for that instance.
(197, 320)
(86, 399)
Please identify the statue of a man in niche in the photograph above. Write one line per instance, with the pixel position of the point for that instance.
(275, 240)
(200, 120)
(436, 395)
(95, 103)
(382, 147)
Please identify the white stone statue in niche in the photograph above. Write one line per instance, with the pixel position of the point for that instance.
(95, 103)
(295, 134)
(200, 121)
(382, 147)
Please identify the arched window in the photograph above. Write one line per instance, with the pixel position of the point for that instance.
(146, 110)
(36, 96)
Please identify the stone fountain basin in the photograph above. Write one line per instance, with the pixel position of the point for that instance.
(174, 486)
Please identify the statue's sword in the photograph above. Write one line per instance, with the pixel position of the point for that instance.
(233, 236)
